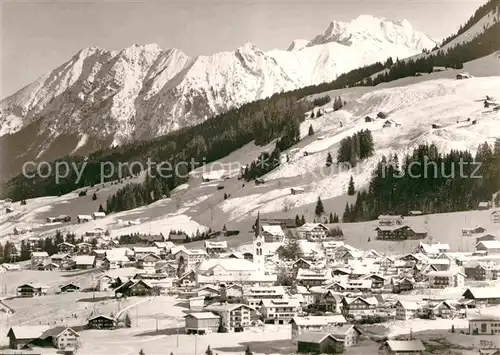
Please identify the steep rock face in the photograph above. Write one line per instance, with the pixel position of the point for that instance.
(100, 98)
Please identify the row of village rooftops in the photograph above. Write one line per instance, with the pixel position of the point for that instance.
(356, 282)
(278, 305)
(371, 270)
(486, 246)
(310, 334)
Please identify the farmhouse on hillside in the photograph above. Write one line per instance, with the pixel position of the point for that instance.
(32, 290)
(101, 322)
(313, 232)
(82, 218)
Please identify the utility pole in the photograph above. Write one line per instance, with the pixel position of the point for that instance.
(177, 333)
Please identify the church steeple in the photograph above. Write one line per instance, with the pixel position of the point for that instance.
(257, 227)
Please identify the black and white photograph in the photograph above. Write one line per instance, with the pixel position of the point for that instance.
(238, 177)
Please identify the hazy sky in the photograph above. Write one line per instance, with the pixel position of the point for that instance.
(39, 36)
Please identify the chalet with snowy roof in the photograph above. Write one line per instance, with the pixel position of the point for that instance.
(115, 261)
(234, 317)
(466, 232)
(215, 247)
(272, 233)
(319, 343)
(484, 205)
(403, 284)
(188, 279)
(59, 219)
(482, 296)
(340, 251)
(202, 323)
(309, 278)
(377, 281)
(32, 290)
(495, 216)
(296, 190)
(226, 267)
(82, 218)
(84, 262)
(482, 271)
(444, 279)
(39, 257)
(359, 305)
(135, 288)
(485, 237)
(283, 222)
(433, 249)
(402, 347)
(98, 215)
(389, 123)
(433, 309)
(313, 232)
(62, 338)
(101, 322)
(301, 325)
(329, 247)
(254, 295)
(21, 337)
(351, 255)
(279, 311)
(148, 262)
(400, 232)
(66, 248)
(489, 246)
(406, 310)
(140, 252)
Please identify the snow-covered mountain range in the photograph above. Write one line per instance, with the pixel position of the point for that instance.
(101, 98)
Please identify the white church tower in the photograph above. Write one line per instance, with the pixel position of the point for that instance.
(258, 247)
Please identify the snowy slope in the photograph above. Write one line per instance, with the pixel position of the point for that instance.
(197, 205)
(102, 98)
(415, 107)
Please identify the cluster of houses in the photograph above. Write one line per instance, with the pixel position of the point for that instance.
(335, 287)
(394, 228)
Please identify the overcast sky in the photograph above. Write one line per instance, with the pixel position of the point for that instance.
(39, 36)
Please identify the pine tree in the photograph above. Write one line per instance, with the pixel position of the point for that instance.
(208, 351)
(141, 352)
(311, 130)
(320, 209)
(351, 190)
(94, 197)
(329, 160)
(101, 209)
(346, 217)
(312, 114)
(297, 220)
(335, 218)
(302, 220)
(330, 219)
(247, 351)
